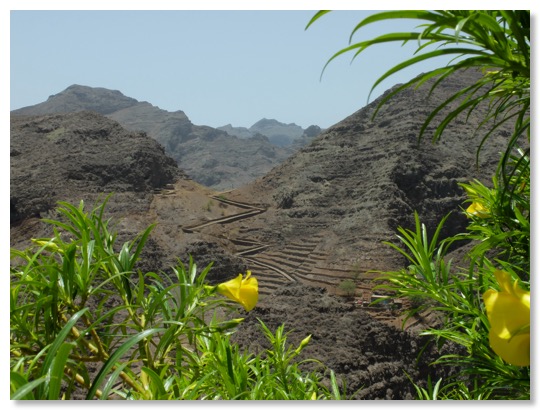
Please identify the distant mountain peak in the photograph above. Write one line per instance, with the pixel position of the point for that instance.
(265, 122)
(213, 157)
(78, 97)
(278, 133)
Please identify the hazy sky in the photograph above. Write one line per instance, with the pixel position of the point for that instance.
(219, 67)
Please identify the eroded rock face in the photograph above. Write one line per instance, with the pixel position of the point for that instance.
(362, 178)
(81, 156)
(58, 157)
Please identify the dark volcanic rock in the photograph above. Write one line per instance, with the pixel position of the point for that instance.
(82, 155)
(363, 177)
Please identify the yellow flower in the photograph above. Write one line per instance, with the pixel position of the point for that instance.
(509, 314)
(479, 210)
(244, 291)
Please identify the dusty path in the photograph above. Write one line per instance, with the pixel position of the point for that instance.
(223, 220)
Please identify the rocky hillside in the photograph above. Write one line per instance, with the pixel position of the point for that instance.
(209, 156)
(69, 157)
(278, 133)
(331, 205)
(370, 359)
(313, 221)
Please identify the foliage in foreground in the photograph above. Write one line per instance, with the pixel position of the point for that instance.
(485, 308)
(84, 321)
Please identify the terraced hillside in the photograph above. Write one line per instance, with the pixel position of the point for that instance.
(274, 263)
(321, 217)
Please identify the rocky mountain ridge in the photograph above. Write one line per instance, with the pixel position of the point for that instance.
(278, 133)
(210, 156)
(330, 206)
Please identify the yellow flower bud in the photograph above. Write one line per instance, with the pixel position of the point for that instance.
(479, 210)
(230, 324)
(303, 344)
(48, 245)
(244, 291)
(509, 315)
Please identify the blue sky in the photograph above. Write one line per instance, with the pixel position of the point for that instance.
(219, 67)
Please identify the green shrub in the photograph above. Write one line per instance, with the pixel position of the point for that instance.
(348, 286)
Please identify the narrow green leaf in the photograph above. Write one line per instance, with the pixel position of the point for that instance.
(230, 370)
(459, 27)
(427, 56)
(26, 390)
(111, 362)
(57, 371)
(157, 382)
(317, 15)
(111, 381)
(55, 346)
(395, 15)
(141, 241)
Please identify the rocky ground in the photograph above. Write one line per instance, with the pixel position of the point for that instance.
(371, 359)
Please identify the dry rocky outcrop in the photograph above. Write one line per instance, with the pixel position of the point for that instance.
(63, 156)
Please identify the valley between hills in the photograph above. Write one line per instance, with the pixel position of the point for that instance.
(316, 217)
